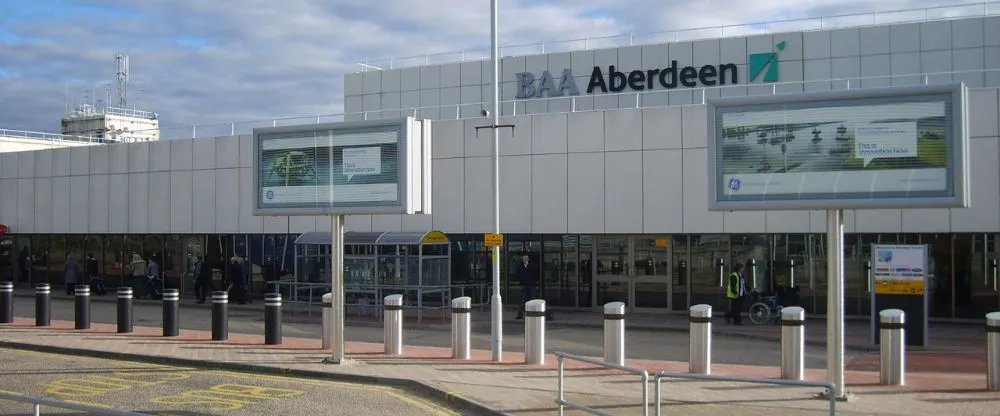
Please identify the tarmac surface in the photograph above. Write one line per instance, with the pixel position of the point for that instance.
(173, 390)
(945, 378)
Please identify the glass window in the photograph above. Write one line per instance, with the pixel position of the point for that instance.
(706, 251)
(680, 276)
(176, 264)
(586, 275)
(114, 260)
(57, 259)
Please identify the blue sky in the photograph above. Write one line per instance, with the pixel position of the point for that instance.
(198, 61)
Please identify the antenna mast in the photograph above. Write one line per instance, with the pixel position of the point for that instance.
(122, 75)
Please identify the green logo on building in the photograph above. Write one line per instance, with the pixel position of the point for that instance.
(765, 63)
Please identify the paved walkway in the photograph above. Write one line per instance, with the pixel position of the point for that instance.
(937, 383)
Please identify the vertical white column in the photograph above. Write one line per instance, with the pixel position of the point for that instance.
(393, 324)
(892, 347)
(534, 332)
(614, 333)
(835, 300)
(700, 348)
(461, 325)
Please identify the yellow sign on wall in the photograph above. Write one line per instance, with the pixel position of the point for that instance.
(494, 240)
(899, 287)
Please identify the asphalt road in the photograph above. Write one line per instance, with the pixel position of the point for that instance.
(167, 390)
(640, 344)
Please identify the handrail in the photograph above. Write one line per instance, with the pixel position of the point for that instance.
(454, 110)
(983, 8)
(561, 399)
(830, 392)
(37, 402)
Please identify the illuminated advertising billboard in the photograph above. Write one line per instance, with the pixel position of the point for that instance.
(371, 167)
(901, 147)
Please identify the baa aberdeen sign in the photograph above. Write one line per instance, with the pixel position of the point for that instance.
(530, 86)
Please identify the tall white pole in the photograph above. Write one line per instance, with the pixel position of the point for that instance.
(337, 288)
(496, 310)
(835, 300)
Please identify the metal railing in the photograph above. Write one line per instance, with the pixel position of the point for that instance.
(925, 14)
(38, 402)
(513, 107)
(830, 387)
(50, 137)
(563, 403)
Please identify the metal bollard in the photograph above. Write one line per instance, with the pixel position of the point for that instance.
(993, 351)
(461, 326)
(614, 333)
(124, 310)
(327, 315)
(171, 318)
(892, 350)
(534, 332)
(793, 343)
(272, 319)
(220, 316)
(393, 325)
(43, 305)
(81, 301)
(6, 302)
(700, 349)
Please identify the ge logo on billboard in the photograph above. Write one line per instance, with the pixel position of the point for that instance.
(734, 184)
(270, 195)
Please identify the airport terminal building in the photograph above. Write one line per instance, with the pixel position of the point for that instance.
(603, 177)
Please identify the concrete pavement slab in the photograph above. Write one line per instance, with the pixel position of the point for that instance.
(522, 389)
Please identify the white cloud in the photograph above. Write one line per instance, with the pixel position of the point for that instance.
(199, 61)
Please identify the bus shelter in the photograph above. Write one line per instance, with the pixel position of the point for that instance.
(414, 264)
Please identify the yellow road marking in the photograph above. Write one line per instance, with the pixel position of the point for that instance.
(398, 393)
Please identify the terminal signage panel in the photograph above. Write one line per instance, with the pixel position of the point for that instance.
(903, 147)
(900, 274)
(371, 167)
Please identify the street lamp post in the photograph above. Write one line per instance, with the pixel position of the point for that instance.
(496, 305)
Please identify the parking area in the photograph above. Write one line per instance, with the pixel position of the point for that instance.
(167, 390)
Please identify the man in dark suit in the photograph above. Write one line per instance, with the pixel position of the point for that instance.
(527, 274)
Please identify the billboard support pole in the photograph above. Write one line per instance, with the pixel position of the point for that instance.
(835, 301)
(337, 289)
(496, 305)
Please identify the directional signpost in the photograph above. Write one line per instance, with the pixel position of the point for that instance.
(336, 169)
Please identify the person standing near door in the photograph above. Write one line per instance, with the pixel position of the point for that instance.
(736, 289)
(527, 274)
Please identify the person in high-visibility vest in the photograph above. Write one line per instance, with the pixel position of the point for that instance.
(736, 289)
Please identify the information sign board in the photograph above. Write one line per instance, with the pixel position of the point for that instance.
(900, 276)
(899, 147)
(494, 240)
(366, 167)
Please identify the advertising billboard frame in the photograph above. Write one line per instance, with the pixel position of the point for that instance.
(412, 172)
(958, 160)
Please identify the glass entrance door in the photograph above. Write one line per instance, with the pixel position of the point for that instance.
(633, 269)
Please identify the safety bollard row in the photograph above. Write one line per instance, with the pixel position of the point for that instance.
(534, 332)
(461, 326)
(43, 304)
(700, 348)
(614, 333)
(125, 321)
(220, 316)
(993, 351)
(327, 316)
(171, 314)
(6, 302)
(793, 345)
(892, 348)
(272, 319)
(393, 324)
(81, 300)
